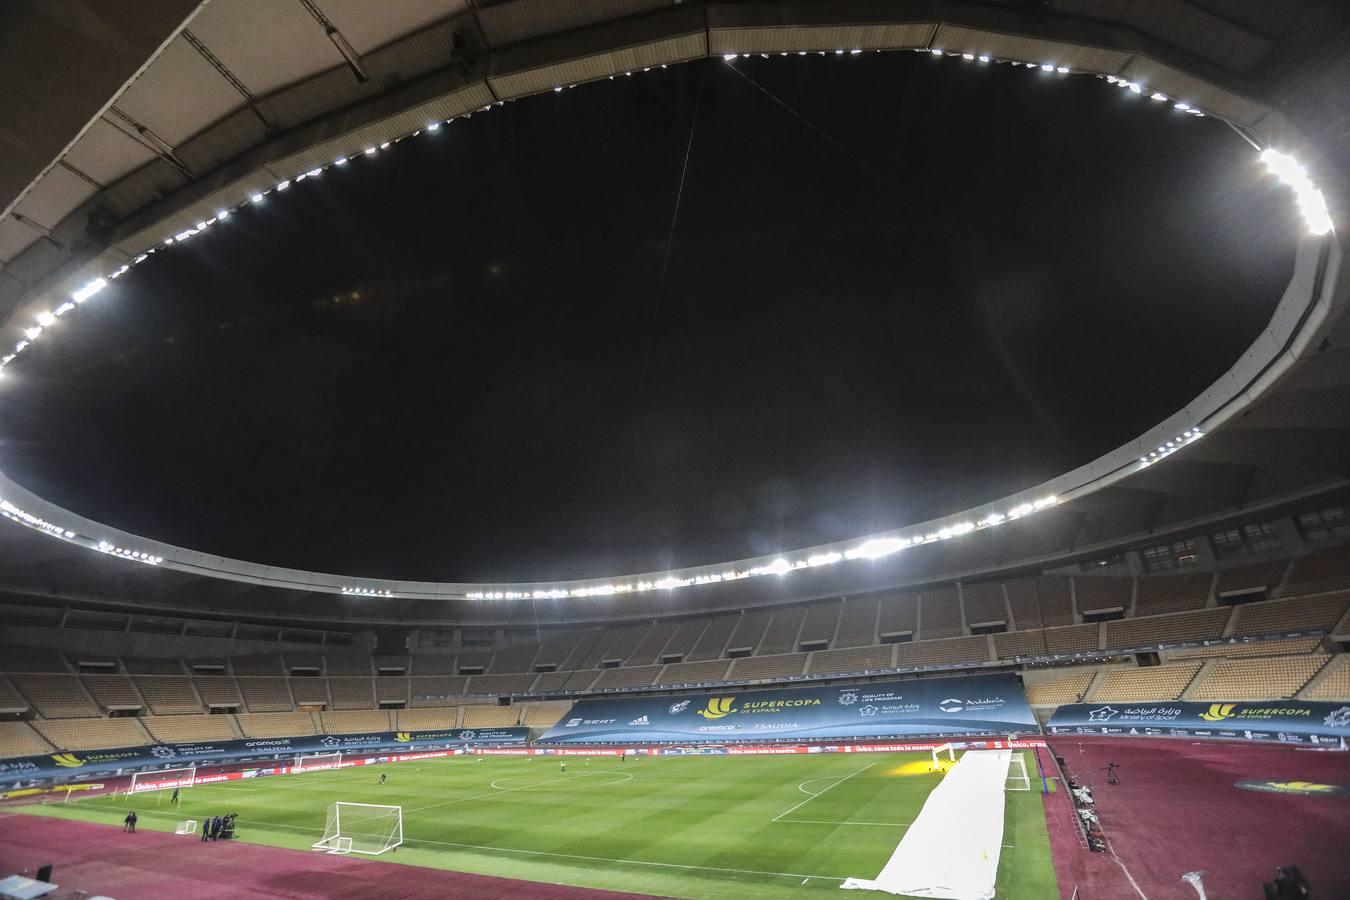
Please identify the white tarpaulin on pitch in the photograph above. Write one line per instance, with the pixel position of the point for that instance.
(951, 850)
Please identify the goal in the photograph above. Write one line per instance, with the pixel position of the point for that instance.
(366, 828)
(162, 780)
(938, 765)
(304, 763)
(1018, 780)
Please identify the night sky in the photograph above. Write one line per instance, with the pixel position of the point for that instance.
(898, 286)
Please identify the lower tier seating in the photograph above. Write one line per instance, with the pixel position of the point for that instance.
(1273, 678)
(1129, 685)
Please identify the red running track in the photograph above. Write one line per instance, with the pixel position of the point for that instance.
(152, 864)
(1176, 810)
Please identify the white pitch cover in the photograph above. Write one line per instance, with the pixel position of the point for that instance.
(951, 850)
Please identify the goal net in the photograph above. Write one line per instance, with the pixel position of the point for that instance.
(305, 763)
(1018, 780)
(938, 764)
(362, 828)
(162, 780)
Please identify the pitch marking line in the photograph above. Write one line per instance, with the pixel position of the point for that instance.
(608, 859)
(820, 792)
(817, 822)
(499, 791)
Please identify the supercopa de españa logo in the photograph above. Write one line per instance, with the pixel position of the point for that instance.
(1217, 712)
(402, 737)
(67, 760)
(718, 707)
(1306, 788)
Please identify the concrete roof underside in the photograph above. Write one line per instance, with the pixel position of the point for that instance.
(131, 122)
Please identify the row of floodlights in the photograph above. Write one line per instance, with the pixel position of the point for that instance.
(1168, 448)
(10, 511)
(871, 549)
(133, 555)
(366, 592)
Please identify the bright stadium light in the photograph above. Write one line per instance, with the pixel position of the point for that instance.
(984, 57)
(32, 333)
(257, 198)
(877, 548)
(45, 319)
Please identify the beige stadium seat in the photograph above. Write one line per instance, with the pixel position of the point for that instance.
(189, 729)
(1040, 602)
(438, 719)
(391, 689)
(56, 696)
(1256, 648)
(352, 692)
(932, 653)
(1067, 689)
(266, 694)
(1268, 678)
(19, 739)
(1332, 683)
(751, 668)
(694, 673)
(626, 676)
(218, 690)
(857, 659)
(113, 691)
(354, 721)
(544, 715)
(1131, 685)
(272, 725)
(490, 716)
(1301, 613)
(1205, 624)
(436, 690)
(93, 734)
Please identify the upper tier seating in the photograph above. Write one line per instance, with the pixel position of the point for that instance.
(751, 668)
(1130, 685)
(10, 699)
(390, 689)
(310, 691)
(449, 686)
(822, 621)
(93, 733)
(586, 642)
(1258, 648)
(274, 725)
(952, 650)
(858, 659)
(694, 672)
(141, 666)
(1332, 683)
(514, 659)
(684, 638)
(1290, 615)
(1204, 624)
(1328, 570)
(1048, 641)
(433, 665)
(427, 719)
(218, 691)
(749, 630)
(354, 721)
(1257, 576)
(189, 729)
(1172, 593)
(582, 680)
(544, 715)
(714, 638)
(490, 716)
(20, 658)
(19, 739)
(1098, 592)
(342, 664)
(626, 641)
(1059, 691)
(627, 676)
(898, 614)
(939, 614)
(652, 644)
(555, 648)
(257, 665)
(548, 682)
(781, 635)
(55, 696)
(501, 685)
(353, 692)
(984, 603)
(1040, 602)
(113, 691)
(266, 694)
(1267, 678)
(1341, 631)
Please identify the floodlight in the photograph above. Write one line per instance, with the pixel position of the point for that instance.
(256, 198)
(281, 186)
(45, 319)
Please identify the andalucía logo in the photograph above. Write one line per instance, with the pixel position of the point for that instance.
(67, 760)
(718, 707)
(1217, 712)
(1306, 788)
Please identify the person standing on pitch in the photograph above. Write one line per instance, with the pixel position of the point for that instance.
(383, 776)
(206, 829)
(174, 798)
(129, 823)
(562, 767)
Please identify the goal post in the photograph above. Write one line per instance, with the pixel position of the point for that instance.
(366, 828)
(938, 765)
(1018, 779)
(162, 780)
(309, 761)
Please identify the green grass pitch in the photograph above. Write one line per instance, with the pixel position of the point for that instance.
(698, 826)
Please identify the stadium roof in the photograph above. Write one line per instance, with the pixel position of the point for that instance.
(159, 122)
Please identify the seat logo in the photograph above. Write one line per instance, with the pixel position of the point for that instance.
(718, 707)
(1217, 712)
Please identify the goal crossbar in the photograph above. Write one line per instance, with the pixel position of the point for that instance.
(162, 779)
(305, 761)
(366, 828)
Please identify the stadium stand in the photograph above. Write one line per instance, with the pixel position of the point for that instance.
(514, 659)
(137, 666)
(352, 692)
(684, 638)
(749, 630)
(18, 658)
(19, 739)
(548, 682)
(1041, 642)
(1257, 648)
(1266, 678)
(335, 664)
(354, 721)
(1205, 624)
(781, 635)
(185, 729)
(1341, 631)
(939, 614)
(432, 665)
(256, 665)
(309, 691)
(274, 725)
(1040, 602)
(304, 663)
(1290, 615)
(858, 659)
(822, 621)
(10, 699)
(1332, 683)
(543, 715)
(427, 719)
(266, 694)
(390, 689)
(1258, 576)
(113, 691)
(1102, 592)
(934, 653)
(55, 696)
(627, 677)
(490, 716)
(626, 641)
(585, 643)
(859, 617)
(93, 734)
(713, 639)
(652, 645)
(1130, 684)
(1173, 593)
(422, 686)
(499, 684)
(694, 672)
(984, 603)
(218, 691)
(1068, 689)
(754, 667)
(468, 660)
(555, 649)
(1328, 570)
(582, 680)
(389, 665)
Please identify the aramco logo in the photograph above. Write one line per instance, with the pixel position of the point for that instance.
(1217, 712)
(718, 707)
(67, 760)
(403, 737)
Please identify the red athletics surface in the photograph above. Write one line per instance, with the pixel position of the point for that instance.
(100, 859)
(1176, 810)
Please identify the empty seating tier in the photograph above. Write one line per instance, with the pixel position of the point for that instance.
(10, 699)
(683, 640)
(189, 729)
(352, 693)
(1102, 592)
(857, 659)
(1255, 648)
(1272, 678)
(18, 658)
(55, 696)
(1136, 685)
(1290, 615)
(713, 639)
(1039, 602)
(1047, 642)
(984, 603)
(266, 694)
(781, 635)
(93, 734)
(427, 719)
(113, 691)
(626, 677)
(500, 685)
(1058, 691)
(515, 659)
(822, 620)
(1173, 593)
(256, 665)
(138, 666)
(391, 689)
(939, 614)
(626, 642)
(19, 739)
(653, 643)
(749, 630)
(1328, 570)
(897, 614)
(548, 682)
(1332, 683)
(934, 653)
(754, 667)
(310, 691)
(490, 716)
(1205, 624)
(436, 690)
(433, 665)
(218, 691)
(354, 721)
(348, 665)
(1259, 576)
(694, 673)
(274, 725)
(544, 715)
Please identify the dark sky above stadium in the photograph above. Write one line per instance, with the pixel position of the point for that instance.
(897, 286)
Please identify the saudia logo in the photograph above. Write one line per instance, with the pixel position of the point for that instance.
(67, 760)
(1217, 712)
(718, 707)
(403, 737)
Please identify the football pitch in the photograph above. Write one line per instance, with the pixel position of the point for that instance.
(695, 826)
